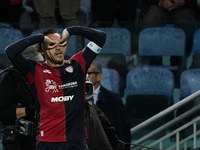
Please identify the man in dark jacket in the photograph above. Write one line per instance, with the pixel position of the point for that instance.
(16, 101)
(101, 134)
(110, 104)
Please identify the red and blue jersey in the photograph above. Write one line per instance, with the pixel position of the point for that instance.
(59, 92)
(61, 97)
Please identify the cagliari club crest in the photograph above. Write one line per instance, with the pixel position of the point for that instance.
(51, 85)
(69, 69)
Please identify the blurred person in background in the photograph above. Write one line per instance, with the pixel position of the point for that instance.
(10, 11)
(17, 108)
(109, 103)
(46, 12)
(106, 12)
(101, 133)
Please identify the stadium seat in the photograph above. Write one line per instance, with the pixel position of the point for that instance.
(196, 43)
(5, 25)
(8, 35)
(149, 90)
(161, 41)
(189, 84)
(118, 41)
(71, 46)
(110, 80)
(196, 50)
(115, 52)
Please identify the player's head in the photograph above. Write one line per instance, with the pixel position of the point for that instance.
(56, 54)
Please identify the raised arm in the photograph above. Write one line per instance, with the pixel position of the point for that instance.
(14, 51)
(97, 40)
(96, 36)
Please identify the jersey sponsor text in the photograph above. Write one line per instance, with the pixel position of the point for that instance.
(62, 98)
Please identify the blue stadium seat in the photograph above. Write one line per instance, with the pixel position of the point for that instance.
(161, 41)
(5, 25)
(115, 52)
(196, 43)
(116, 48)
(8, 35)
(110, 80)
(71, 46)
(150, 81)
(189, 83)
(118, 41)
(149, 90)
(196, 50)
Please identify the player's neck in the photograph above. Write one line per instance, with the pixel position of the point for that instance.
(48, 62)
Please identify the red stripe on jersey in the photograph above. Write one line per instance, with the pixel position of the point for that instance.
(79, 58)
(52, 109)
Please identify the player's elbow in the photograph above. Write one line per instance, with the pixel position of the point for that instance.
(103, 39)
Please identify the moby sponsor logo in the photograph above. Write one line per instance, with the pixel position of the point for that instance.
(62, 98)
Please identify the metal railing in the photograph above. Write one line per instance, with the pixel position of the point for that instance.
(169, 124)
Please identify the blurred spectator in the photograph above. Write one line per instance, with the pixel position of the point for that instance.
(100, 131)
(10, 11)
(111, 13)
(28, 18)
(107, 11)
(17, 102)
(110, 103)
(181, 13)
(46, 10)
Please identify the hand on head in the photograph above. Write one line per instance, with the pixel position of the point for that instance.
(64, 38)
(48, 43)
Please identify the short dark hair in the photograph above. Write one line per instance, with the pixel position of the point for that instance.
(47, 31)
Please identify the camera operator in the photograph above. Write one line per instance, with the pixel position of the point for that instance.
(17, 109)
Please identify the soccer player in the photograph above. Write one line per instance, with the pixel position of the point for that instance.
(58, 85)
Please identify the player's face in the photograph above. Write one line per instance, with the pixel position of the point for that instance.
(56, 54)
